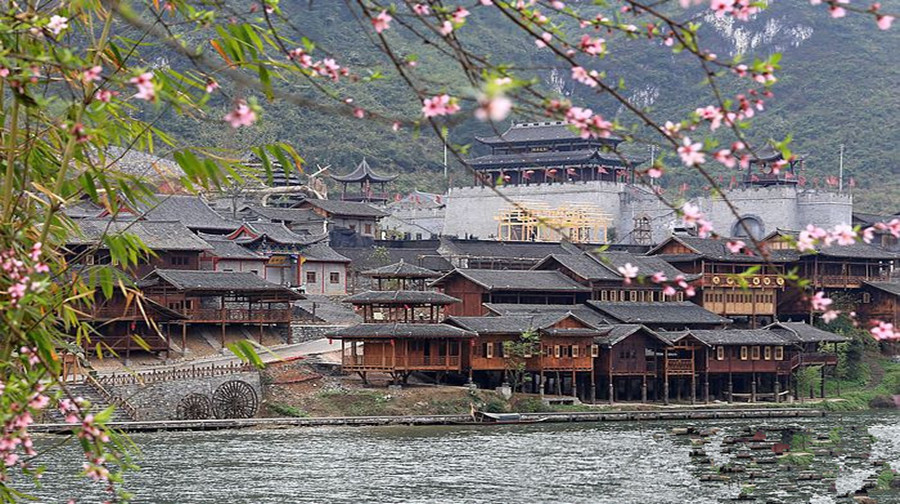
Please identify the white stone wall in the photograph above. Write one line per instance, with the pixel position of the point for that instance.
(415, 221)
(473, 210)
(323, 284)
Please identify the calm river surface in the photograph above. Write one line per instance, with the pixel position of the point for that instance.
(587, 462)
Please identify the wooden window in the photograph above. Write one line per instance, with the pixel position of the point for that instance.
(755, 353)
(489, 350)
(574, 351)
(556, 351)
(720, 353)
(310, 277)
(603, 295)
(334, 278)
(679, 296)
(633, 296)
(595, 351)
(368, 229)
(866, 297)
(179, 260)
(744, 353)
(767, 353)
(501, 349)
(527, 352)
(779, 353)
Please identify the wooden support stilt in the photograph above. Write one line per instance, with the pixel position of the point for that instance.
(693, 389)
(753, 388)
(644, 388)
(183, 339)
(822, 386)
(666, 390)
(730, 389)
(777, 389)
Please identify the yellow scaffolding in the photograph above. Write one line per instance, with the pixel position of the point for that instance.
(536, 221)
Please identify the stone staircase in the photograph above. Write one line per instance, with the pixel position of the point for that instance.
(99, 402)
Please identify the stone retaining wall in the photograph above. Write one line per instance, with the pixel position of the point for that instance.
(159, 401)
(301, 333)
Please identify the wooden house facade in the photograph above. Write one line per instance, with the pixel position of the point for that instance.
(475, 287)
(881, 301)
(220, 298)
(600, 272)
(743, 286)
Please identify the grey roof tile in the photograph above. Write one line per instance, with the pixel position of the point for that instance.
(347, 208)
(682, 313)
(522, 280)
(157, 235)
(400, 331)
(401, 297)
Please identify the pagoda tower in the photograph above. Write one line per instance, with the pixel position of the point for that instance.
(367, 179)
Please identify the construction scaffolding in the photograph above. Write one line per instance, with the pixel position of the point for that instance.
(536, 221)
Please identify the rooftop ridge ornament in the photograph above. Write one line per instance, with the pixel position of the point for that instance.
(365, 176)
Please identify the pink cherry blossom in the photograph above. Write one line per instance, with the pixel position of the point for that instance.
(211, 85)
(884, 331)
(91, 74)
(735, 246)
(57, 24)
(829, 316)
(440, 105)
(690, 213)
(820, 302)
(669, 291)
(655, 172)
(496, 108)
(628, 271)
(240, 115)
(421, 9)
(146, 89)
(446, 28)
(593, 46)
(691, 153)
(459, 15)
(843, 234)
(884, 22)
(583, 76)
(658, 277)
(382, 21)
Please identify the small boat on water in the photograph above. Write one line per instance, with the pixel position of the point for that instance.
(485, 418)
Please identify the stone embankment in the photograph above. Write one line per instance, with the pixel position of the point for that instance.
(605, 416)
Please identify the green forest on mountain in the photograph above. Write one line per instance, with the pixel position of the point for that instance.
(838, 86)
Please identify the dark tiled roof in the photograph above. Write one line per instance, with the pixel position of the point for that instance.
(364, 172)
(227, 249)
(458, 247)
(368, 257)
(571, 332)
(401, 297)
(805, 333)
(401, 269)
(715, 249)
(214, 281)
(400, 331)
(278, 233)
(647, 265)
(349, 208)
(328, 310)
(522, 280)
(741, 337)
(191, 211)
(545, 159)
(889, 287)
(582, 265)
(870, 219)
(617, 333)
(289, 215)
(322, 252)
(682, 313)
(500, 325)
(155, 234)
(858, 250)
(141, 164)
(535, 132)
(583, 312)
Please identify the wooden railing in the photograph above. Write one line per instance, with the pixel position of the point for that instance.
(848, 279)
(401, 362)
(112, 312)
(238, 314)
(814, 359)
(680, 366)
(172, 374)
(124, 405)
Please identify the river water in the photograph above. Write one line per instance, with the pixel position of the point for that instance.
(585, 462)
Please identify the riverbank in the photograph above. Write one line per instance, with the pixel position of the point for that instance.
(599, 416)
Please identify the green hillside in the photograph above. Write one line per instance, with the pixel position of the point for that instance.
(838, 87)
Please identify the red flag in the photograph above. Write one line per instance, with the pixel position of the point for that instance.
(852, 182)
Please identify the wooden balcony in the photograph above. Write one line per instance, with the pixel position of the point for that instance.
(239, 315)
(384, 362)
(814, 359)
(680, 367)
(848, 281)
(753, 281)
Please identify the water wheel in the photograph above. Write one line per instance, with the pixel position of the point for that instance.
(235, 399)
(194, 407)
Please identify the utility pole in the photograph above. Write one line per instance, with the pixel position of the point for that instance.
(841, 172)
